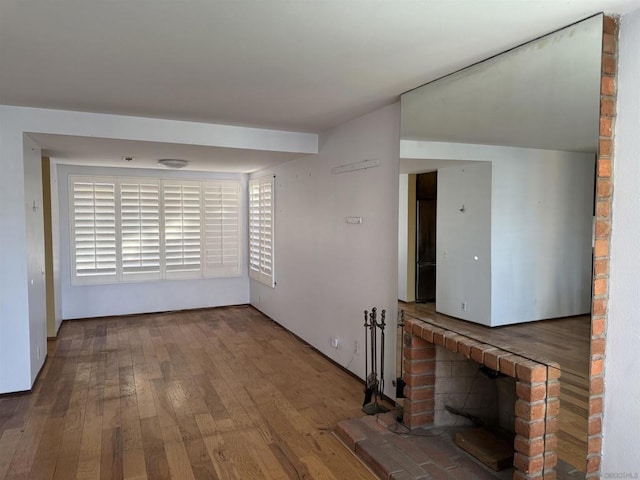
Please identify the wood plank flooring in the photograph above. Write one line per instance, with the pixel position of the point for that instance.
(562, 340)
(209, 394)
(565, 341)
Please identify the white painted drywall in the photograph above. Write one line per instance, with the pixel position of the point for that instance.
(407, 237)
(15, 346)
(64, 122)
(327, 271)
(541, 236)
(463, 242)
(621, 422)
(34, 223)
(541, 216)
(83, 301)
(55, 244)
(15, 350)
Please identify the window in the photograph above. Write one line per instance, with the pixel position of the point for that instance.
(94, 227)
(135, 229)
(261, 220)
(182, 228)
(140, 228)
(222, 229)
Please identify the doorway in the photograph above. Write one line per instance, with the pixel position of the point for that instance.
(426, 212)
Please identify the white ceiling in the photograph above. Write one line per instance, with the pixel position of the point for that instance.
(544, 95)
(280, 64)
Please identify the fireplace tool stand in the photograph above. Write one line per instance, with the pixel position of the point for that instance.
(374, 387)
(400, 380)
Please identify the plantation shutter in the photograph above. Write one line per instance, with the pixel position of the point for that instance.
(140, 228)
(128, 229)
(261, 228)
(182, 228)
(93, 223)
(222, 254)
(254, 228)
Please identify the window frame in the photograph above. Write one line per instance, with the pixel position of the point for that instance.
(230, 230)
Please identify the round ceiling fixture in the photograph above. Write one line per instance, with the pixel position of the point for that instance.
(173, 162)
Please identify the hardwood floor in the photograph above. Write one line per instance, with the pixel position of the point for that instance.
(565, 341)
(209, 394)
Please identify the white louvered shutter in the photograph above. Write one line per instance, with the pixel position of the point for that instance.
(93, 224)
(182, 229)
(261, 229)
(254, 228)
(266, 229)
(140, 228)
(222, 255)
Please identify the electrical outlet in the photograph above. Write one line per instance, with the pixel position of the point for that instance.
(463, 306)
(356, 347)
(335, 342)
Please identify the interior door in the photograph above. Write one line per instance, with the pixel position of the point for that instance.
(426, 193)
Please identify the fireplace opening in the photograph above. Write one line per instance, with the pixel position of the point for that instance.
(471, 395)
(445, 387)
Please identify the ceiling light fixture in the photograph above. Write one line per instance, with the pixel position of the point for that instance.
(173, 162)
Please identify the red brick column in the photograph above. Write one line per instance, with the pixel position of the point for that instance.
(419, 376)
(537, 409)
(604, 199)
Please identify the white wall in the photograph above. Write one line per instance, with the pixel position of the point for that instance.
(541, 238)
(327, 271)
(35, 255)
(621, 423)
(407, 237)
(541, 216)
(137, 297)
(463, 242)
(55, 245)
(16, 346)
(15, 350)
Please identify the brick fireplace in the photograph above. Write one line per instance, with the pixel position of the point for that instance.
(431, 374)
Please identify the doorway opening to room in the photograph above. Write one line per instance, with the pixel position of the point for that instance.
(425, 251)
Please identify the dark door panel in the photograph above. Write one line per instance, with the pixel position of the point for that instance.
(426, 231)
(427, 186)
(426, 284)
(426, 196)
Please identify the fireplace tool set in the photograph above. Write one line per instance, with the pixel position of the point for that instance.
(374, 387)
(400, 379)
